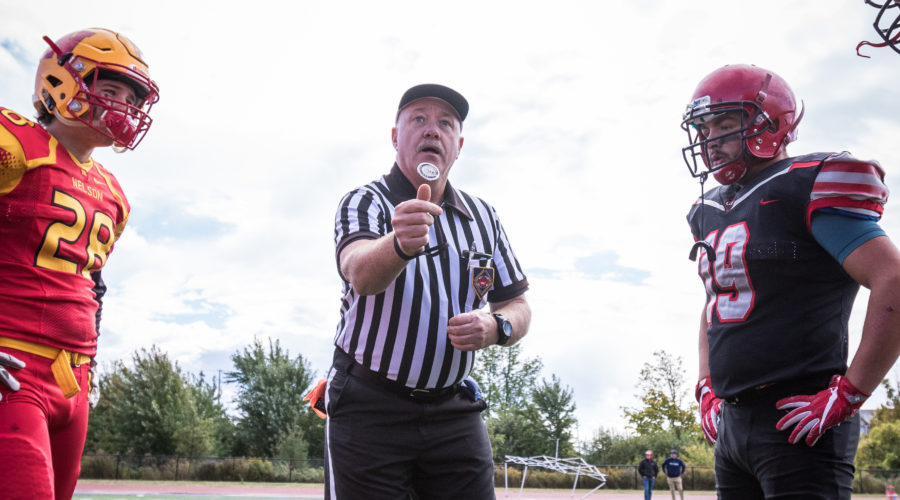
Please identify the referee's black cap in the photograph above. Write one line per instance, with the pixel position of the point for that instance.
(446, 94)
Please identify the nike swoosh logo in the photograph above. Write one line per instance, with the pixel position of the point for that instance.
(766, 202)
(99, 181)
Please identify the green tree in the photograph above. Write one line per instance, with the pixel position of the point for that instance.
(698, 454)
(555, 407)
(610, 447)
(217, 427)
(208, 430)
(195, 439)
(271, 386)
(292, 445)
(880, 449)
(153, 407)
(517, 432)
(524, 418)
(890, 410)
(615, 448)
(505, 379)
(662, 393)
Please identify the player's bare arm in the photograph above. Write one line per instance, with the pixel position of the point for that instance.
(703, 346)
(876, 266)
(372, 265)
(708, 404)
(478, 329)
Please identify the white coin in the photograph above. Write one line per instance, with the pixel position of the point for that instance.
(428, 171)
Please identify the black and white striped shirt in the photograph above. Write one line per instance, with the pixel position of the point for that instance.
(401, 333)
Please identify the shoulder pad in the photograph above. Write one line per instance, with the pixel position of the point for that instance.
(35, 143)
(849, 185)
(12, 159)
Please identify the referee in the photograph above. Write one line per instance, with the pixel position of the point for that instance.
(419, 260)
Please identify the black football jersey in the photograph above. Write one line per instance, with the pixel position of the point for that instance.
(778, 304)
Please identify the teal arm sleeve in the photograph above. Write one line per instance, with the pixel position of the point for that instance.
(840, 235)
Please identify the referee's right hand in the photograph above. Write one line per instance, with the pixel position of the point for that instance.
(412, 220)
(9, 361)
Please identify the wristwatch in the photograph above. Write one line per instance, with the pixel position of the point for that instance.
(504, 329)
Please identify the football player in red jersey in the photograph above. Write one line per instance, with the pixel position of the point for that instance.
(60, 215)
(784, 244)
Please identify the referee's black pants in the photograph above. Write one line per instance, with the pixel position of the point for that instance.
(755, 461)
(382, 446)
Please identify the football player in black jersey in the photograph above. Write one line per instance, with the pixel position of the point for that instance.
(782, 246)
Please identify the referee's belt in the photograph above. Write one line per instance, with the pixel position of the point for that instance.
(358, 371)
(62, 362)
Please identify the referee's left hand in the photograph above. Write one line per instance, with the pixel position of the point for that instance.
(472, 330)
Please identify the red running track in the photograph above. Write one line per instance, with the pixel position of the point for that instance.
(259, 490)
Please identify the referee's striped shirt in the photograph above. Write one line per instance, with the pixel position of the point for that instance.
(401, 333)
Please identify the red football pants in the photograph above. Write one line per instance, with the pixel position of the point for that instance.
(41, 432)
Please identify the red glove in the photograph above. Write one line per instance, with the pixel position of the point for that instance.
(710, 406)
(821, 411)
(316, 398)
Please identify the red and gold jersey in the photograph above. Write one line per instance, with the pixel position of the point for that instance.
(59, 220)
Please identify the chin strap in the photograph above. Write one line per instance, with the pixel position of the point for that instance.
(710, 251)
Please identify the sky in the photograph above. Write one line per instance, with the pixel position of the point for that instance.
(271, 111)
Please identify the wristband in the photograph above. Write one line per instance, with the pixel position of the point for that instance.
(400, 250)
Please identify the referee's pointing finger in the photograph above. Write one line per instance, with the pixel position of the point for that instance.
(424, 193)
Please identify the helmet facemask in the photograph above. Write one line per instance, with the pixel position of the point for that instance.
(753, 121)
(124, 123)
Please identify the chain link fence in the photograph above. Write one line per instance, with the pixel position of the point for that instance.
(178, 468)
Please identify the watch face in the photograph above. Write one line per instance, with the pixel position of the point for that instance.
(504, 329)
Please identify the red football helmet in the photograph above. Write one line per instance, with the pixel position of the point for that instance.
(768, 118)
(68, 73)
(887, 25)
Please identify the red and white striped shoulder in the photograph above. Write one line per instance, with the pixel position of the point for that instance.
(849, 185)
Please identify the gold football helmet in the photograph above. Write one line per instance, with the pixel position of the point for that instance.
(68, 73)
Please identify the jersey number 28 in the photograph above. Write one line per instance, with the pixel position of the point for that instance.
(96, 248)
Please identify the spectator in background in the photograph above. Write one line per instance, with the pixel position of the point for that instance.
(648, 470)
(673, 467)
